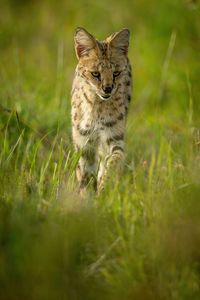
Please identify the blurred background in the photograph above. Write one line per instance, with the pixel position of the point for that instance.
(142, 239)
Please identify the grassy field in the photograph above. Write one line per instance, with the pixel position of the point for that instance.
(141, 238)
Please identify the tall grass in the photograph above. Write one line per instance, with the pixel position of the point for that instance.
(140, 239)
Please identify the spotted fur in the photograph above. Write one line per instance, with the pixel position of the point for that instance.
(100, 103)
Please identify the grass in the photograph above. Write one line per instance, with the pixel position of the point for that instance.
(141, 238)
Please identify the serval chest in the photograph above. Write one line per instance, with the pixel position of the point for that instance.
(101, 93)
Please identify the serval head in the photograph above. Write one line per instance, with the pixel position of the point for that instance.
(102, 64)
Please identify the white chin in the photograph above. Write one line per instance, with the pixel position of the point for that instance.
(104, 98)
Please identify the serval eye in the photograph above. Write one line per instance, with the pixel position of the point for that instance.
(115, 74)
(95, 74)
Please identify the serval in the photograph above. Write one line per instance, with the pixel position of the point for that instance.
(100, 97)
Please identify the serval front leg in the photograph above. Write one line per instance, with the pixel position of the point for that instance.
(113, 161)
(86, 168)
(85, 171)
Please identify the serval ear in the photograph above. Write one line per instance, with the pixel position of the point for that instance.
(119, 41)
(84, 42)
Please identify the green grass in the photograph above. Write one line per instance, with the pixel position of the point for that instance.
(141, 238)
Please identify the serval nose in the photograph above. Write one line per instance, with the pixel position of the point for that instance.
(107, 89)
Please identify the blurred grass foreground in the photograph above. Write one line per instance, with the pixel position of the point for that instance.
(141, 238)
